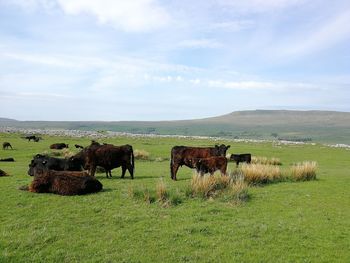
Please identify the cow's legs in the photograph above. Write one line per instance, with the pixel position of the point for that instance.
(92, 170)
(131, 170)
(123, 170)
(173, 170)
(110, 173)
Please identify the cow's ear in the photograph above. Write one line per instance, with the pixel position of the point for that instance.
(216, 146)
(228, 146)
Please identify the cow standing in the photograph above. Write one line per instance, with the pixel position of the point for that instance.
(110, 157)
(241, 158)
(182, 155)
(6, 145)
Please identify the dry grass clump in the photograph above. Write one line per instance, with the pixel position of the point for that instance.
(161, 191)
(260, 173)
(161, 159)
(304, 171)
(67, 153)
(212, 186)
(141, 155)
(265, 160)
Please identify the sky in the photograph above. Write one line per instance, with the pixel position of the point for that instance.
(112, 60)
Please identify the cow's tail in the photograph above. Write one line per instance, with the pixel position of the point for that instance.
(132, 159)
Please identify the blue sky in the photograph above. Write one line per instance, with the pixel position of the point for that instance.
(163, 60)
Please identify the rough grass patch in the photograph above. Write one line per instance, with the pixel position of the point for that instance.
(208, 187)
(161, 191)
(141, 155)
(266, 161)
(304, 171)
(261, 174)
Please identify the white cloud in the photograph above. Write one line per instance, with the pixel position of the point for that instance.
(259, 6)
(130, 15)
(232, 26)
(200, 43)
(330, 33)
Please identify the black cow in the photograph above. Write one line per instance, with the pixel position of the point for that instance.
(6, 145)
(241, 158)
(52, 163)
(58, 146)
(110, 157)
(10, 159)
(181, 155)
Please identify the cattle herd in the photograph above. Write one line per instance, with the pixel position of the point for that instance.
(75, 175)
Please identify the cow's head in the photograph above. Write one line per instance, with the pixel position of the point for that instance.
(221, 149)
(36, 165)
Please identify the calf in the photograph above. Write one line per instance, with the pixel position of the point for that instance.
(6, 145)
(241, 158)
(58, 146)
(63, 183)
(210, 165)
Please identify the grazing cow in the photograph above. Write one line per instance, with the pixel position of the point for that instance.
(110, 157)
(63, 183)
(7, 160)
(210, 165)
(6, 145)
(58, 146)
(51, 163)
(181, 155)
(78, 146)
(2, 173)
(241, 158)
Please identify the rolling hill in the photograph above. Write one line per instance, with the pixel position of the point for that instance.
(318, 126)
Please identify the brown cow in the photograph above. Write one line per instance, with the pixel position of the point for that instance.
(6, 145)
(63, 183)
(58, 146)
(210, 165)
(110, 157)
(181, 155)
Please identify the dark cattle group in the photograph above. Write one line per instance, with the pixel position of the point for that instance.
(58, 146)
(75, 175)
(10, 159)
(32, 137)
(183, 155)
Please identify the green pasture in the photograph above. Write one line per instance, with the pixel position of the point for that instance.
(281, 222)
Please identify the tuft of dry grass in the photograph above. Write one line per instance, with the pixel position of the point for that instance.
(67, 153)
(260, 173)
(141, 155)
(161, 191)
(304, 171)
(266, 161)
(208, 187)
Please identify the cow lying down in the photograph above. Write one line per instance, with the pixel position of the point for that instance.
(63, 183)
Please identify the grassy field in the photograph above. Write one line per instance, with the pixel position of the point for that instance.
(281, 222)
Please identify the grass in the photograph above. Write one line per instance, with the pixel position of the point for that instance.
(265, 160)
(304, 171)
(261, 173)
(284, 222)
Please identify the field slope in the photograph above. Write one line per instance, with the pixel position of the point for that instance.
(318, 126)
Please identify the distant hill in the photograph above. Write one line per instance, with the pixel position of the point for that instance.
(318, 126)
